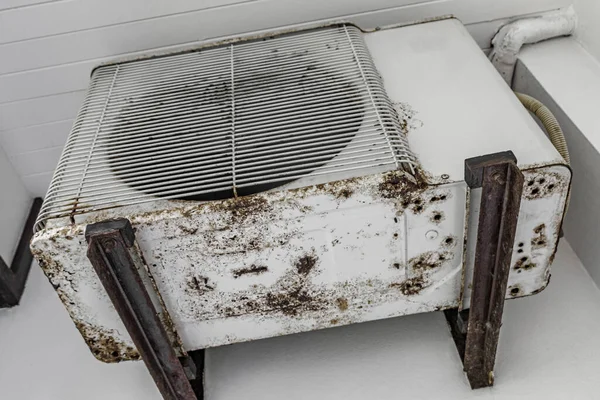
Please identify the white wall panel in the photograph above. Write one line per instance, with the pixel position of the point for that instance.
(44, 82)
(37, 161)
(203, 24)
(12, 4)
(67, 16)
(14, 207)
(35, 137)
(37, 183)
(48, 50)
(588, 29)
(40, 110)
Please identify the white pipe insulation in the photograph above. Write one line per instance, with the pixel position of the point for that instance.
(511, 37)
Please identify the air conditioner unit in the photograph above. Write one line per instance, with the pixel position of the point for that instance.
(290, 182)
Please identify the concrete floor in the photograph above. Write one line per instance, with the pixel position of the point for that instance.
(548, 350)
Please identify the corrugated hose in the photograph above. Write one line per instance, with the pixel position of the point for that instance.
(550, 123)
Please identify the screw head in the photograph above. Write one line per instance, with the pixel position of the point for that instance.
(445, 176)
(432, 234)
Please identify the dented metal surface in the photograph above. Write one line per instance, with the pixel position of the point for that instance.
(279, 262)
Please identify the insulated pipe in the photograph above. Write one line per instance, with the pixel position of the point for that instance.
(511, 37)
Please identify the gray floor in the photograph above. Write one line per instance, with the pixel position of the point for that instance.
(548, 350)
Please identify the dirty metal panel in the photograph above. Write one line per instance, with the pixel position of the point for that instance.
(542, 208)
(279, 262)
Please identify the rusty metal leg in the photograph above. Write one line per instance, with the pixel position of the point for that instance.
(476, 331)
(109, 246)
(13, 277)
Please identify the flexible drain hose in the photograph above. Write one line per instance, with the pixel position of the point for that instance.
(550, 123)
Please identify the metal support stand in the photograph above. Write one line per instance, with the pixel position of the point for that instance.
(476, 330)
(13, 278)
(110, 247)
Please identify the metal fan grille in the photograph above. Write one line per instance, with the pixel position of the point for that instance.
(227, 121)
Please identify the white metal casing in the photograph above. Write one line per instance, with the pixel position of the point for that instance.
(362, 249)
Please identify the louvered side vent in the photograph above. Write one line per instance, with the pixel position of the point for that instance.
(228, 121)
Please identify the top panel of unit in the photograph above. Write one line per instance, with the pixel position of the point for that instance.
(453, 101)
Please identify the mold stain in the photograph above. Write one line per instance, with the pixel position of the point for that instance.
(523, 264)
(291, 295)
(449, 241)
(405, 188)
(104, 344)
(539, 239)
(429, 260)
(342, 304)
(514, 291)
(241, 209)
(437, 217)
(251, 270)
(292, 302)
(410, 287)
(305, 264)
(344, 193)
(541, 185)
(200, 284)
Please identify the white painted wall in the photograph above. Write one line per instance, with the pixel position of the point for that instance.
(588, 31)
(566, 78)
(14, 207)
(47, 49)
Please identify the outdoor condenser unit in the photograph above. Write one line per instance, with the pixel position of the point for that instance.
(296, 181)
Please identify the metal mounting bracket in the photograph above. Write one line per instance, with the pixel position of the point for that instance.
(13, 277)
(476, 330)
(110, 250)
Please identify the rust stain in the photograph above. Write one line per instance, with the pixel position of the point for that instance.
(104, 345)
(251, 270)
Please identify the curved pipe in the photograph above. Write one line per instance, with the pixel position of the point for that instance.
(550, 123)
(511, 37)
